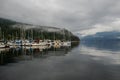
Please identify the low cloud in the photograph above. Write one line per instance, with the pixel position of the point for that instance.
(113, 26)
(86, 17)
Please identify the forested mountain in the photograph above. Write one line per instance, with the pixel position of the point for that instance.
(15, 30)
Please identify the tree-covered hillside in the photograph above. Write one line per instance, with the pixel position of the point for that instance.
(10, 30)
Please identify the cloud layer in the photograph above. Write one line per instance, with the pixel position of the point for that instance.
(80, 16)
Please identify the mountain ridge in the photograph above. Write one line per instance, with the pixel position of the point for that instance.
(12, 22)
(9, 26)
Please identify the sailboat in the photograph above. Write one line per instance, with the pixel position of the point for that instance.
(2, 43)
(39, 42)
(56, 43)
(65, 42)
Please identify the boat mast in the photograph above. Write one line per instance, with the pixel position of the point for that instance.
(32, 34)
(69, 36)
(64, 37)
(3, 36)
(42, 34)
(0, 33)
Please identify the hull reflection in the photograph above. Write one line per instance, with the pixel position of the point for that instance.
(15, 54)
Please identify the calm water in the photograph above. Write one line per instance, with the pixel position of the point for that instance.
(96, 61)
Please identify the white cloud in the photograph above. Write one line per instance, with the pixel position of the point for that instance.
(101, 54)
(114, 26)
(82, 16)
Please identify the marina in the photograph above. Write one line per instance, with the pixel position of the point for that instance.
(18, 43)
(30, 37)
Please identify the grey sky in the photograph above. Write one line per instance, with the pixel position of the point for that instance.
(80, 16)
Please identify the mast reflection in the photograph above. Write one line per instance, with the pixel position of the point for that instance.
(27, 53)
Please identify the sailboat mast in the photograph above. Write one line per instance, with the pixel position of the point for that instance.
(42, 34)
(0, 33)
(3, 36)
(64, 37)
(32, 34)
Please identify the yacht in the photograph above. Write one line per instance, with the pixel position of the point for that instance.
(66, 43)
(2, 44)
(39, 43)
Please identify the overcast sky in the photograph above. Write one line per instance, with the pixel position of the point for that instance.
(86, 17)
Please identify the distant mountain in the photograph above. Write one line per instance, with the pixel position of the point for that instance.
(8, 26)
(103, 36)
(103, 40)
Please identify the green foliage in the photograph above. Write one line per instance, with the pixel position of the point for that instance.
(8, 32)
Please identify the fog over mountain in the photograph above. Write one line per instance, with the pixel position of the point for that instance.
(103, 36)
(103, 41)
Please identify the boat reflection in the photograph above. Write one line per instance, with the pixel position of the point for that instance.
(26, 53)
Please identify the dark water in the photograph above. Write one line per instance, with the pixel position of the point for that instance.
(83, 62)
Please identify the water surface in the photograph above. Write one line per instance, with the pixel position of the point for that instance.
(83, 62)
